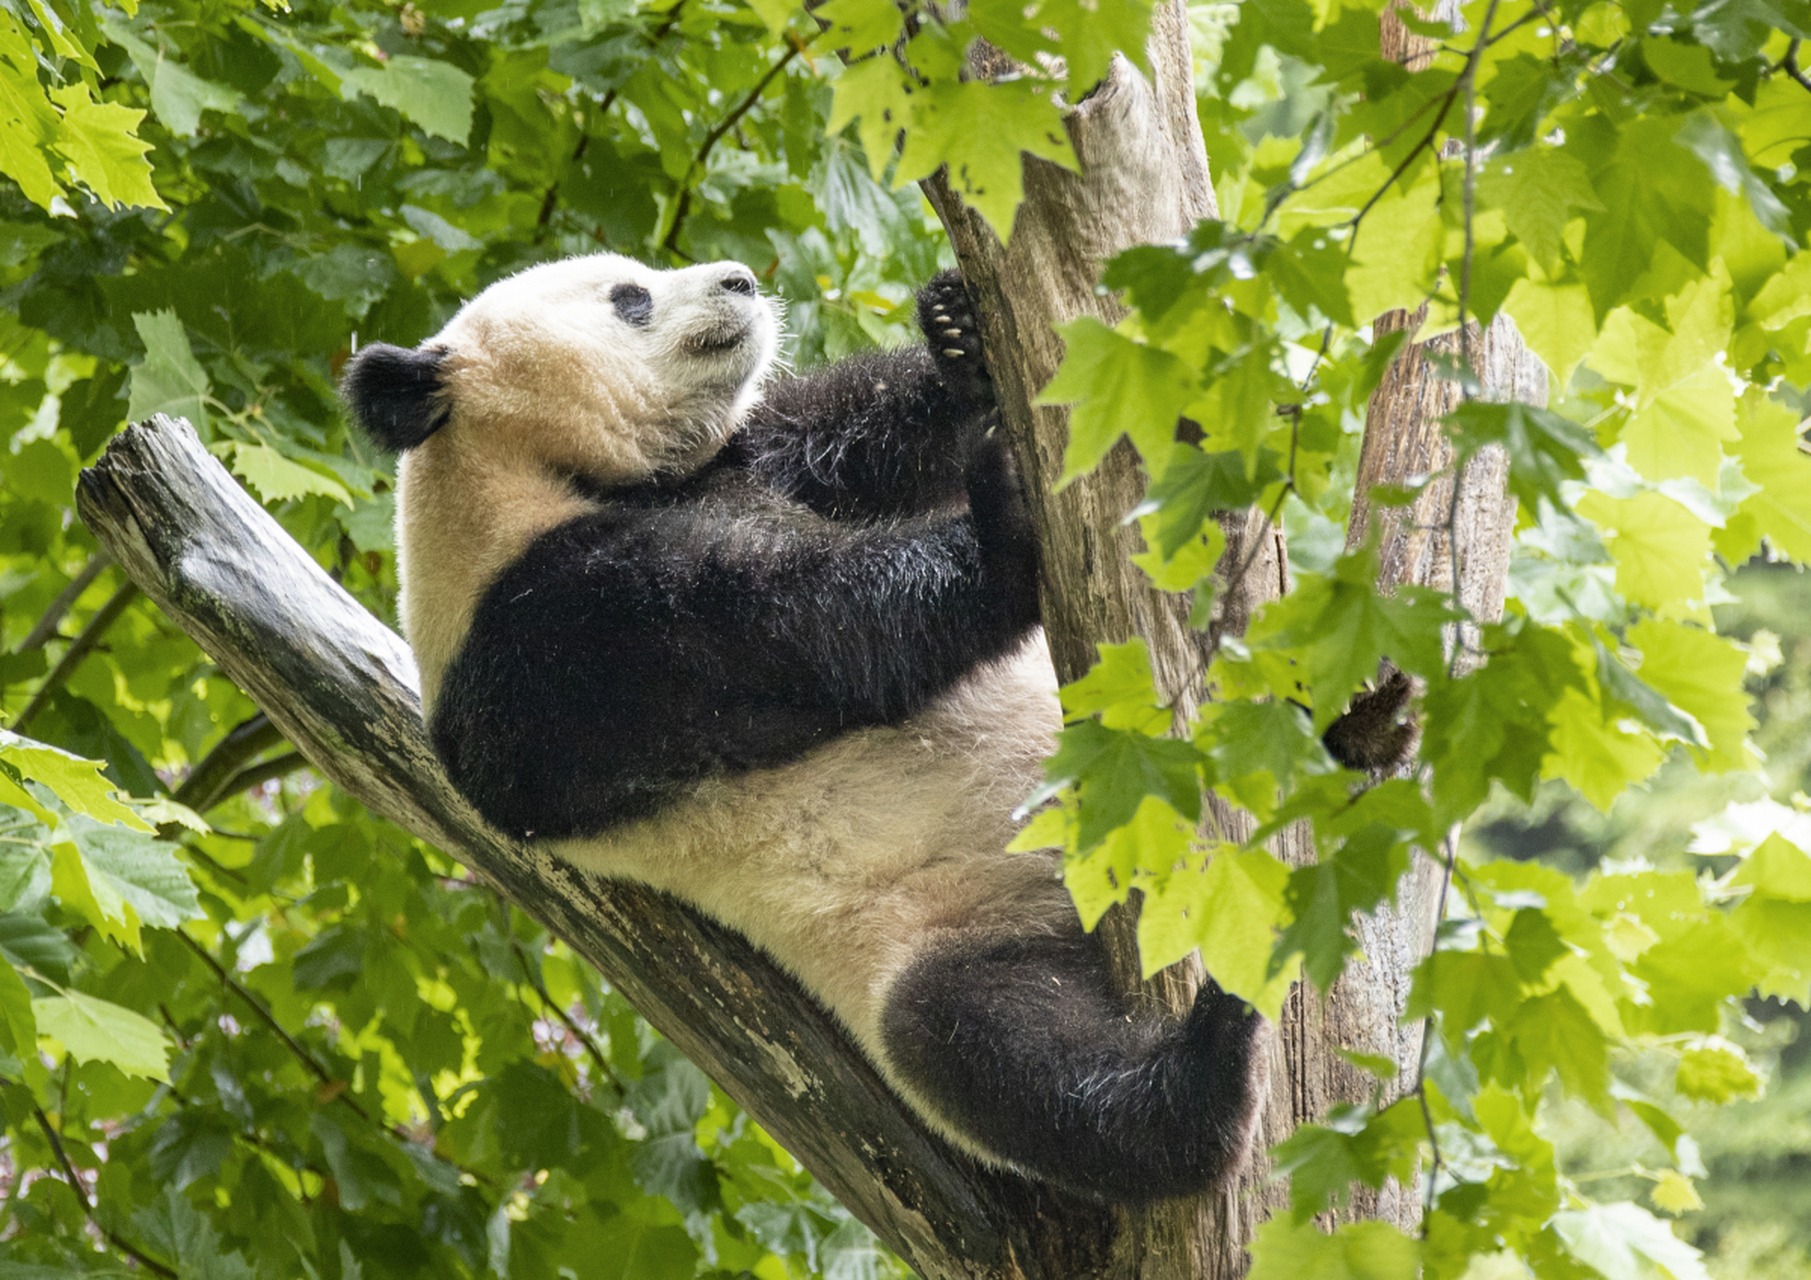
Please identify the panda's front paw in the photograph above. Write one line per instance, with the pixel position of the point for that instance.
(947, 317)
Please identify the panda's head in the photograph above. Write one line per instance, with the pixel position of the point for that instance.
(597, 367)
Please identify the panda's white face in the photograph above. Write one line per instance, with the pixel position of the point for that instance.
(608, 367)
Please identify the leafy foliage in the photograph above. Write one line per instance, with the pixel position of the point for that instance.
(277, 1037)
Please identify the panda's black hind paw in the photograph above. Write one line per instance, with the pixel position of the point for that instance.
(947, 317)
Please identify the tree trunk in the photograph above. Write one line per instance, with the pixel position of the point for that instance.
(1144, 178)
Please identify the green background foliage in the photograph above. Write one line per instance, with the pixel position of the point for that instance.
(280, 1037)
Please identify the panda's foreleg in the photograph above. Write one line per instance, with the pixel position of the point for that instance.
(1022, 1044)
(884, 433)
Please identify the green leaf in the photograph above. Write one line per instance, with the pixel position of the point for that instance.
(1237, 405)
(1231, 911)
(1193, 486)
(1539, 191)
(1597, 756)
(1492, 724)
(1716, 1071)
(1704, 136)
(1155, 840)
(1287, 1250)
(1257, 749)
(435, 95)
(1691, 975)
(1777, 933)
(103, 151)
(1777, 868)
(1773, 459)
(1118, 689)
(1556, 1032)
(1648, 198)
(28, 122)
(1353, 1146)
(1556, 322)
(190, 1145)
(875, 92)
(1663, 718)
(169, 380)
(1325, 895)
(18, 1024)
(1117, 387)
(78, 783)
(1661, 548)
(1310, 271)
(980, 130)
(1113, 770)
(1465, 988)
(1396, 255)
(860, 26)
(1533, 944)
(277, 479)
(178, 95)
(1625, 1242)
(1702, 674)
(128, 869)
(94, 1030)
(1343, 628)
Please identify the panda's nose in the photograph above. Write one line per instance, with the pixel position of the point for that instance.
(739, 280)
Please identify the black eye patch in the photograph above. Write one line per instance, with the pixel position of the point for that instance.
(633, 303)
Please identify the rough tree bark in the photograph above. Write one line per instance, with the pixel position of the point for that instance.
(1145, 178)
(342, 688)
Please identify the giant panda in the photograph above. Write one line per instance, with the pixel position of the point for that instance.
(771, 644)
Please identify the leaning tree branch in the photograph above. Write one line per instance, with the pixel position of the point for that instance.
(342, 688)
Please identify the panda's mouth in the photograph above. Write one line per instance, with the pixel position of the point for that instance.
(717, 339)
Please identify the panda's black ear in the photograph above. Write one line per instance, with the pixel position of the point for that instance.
(397, 395)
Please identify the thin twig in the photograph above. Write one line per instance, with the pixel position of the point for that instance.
(125, 1246)
(46, 626)
(604, 1068)
(550, 201)
(1427, 1029)
(670, 242)
(258, 774)
(1789, 64)
(210, 782)
(79, 648)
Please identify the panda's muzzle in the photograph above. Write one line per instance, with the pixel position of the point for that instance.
(717, 339)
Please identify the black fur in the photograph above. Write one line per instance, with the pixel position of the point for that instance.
(1024, 1043)
(395, 394)
(1376, 732)
(814, 579)
(885, 433)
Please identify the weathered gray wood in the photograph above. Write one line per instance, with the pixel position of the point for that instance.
(342, 687)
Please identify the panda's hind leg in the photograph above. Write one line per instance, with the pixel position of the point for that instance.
(1022, 1044)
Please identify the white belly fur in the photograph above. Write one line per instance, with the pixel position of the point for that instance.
(843, 864)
